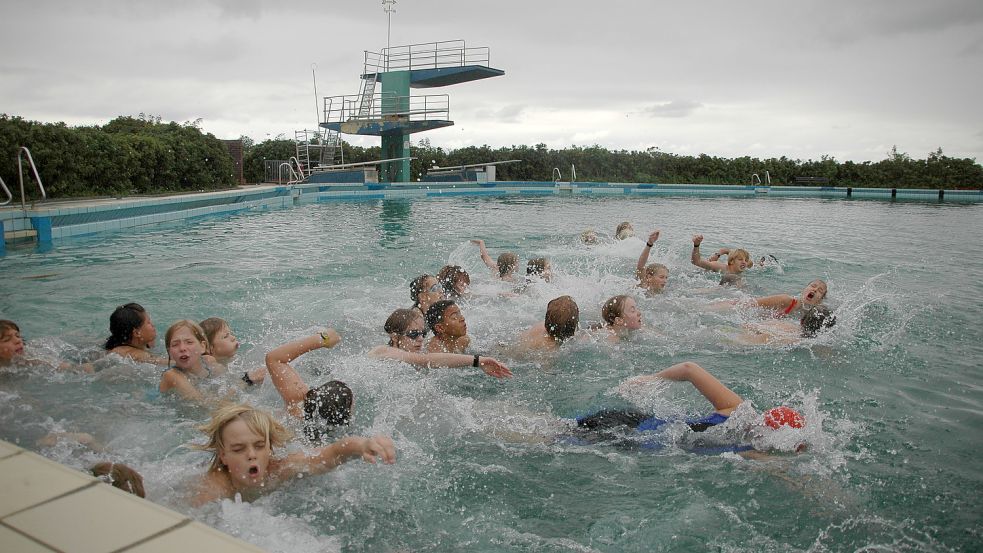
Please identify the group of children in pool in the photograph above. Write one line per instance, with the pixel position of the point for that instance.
(242, 438)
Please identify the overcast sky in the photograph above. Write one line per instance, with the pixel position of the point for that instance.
(844, 78)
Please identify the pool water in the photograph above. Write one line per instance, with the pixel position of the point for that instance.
(894, 393)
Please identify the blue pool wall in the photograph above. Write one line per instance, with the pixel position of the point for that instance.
(49, 222)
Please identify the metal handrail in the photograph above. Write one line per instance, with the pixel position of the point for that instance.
(428, 55)
(430, 107)
(20, 174)
(755, 177)
(556, 175)
(10, 197)
(573, 173)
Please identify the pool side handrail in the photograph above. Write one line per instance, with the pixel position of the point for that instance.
(20, 173)
(10, 197)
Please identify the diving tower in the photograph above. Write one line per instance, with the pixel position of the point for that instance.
(384, 107)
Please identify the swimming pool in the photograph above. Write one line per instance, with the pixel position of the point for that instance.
(896, 384)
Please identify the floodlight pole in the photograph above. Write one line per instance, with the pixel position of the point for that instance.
(390, 7)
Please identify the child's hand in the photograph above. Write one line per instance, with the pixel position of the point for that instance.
(493, 367)
(654, 236)
(697, 239)
(381, 447)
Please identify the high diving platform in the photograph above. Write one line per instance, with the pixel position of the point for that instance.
(384, 106)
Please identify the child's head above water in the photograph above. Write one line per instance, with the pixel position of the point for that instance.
(540, 267)
(507, 263)
(655, 276)
(325, 407)
(221, 342)
(816, 319)
(622, 311)
(454, 279)
(129, 322)
(562, 318)
(11, 343)
(738, 260)
(236, 428)
(624, 230)
(186, 343)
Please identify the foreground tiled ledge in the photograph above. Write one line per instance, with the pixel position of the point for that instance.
(48, 507)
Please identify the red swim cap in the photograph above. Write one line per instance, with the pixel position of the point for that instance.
(784, 416)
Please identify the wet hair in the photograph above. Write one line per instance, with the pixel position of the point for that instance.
(562, 318)
(588, 236)
(739, 253)
(399, 321)
(448, 275)
(258, 421)
(211, 326)
(435, 313)
(624, 230)
(507, 262)
(416, 287)
(614, 308)
(119, 476)
(331, 403)
(537, 266)
(124, 320)
(6, 325)
(196, 330)
(652, 268)
(818, 318)
(612, 418)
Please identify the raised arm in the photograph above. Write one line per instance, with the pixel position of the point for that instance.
(289, 384)
(702, 263)
(484, 255)
(490, 365)
(329, 457)
(724, 400)
(644, 258)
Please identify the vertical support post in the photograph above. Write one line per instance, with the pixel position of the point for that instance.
(3, 241)
(395, 104)
(849, 191)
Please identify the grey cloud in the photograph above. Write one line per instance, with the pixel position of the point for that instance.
(675, 108)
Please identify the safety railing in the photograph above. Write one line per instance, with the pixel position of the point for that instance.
(430, 55)
(430, 107)
(6, 190)
(20, 174)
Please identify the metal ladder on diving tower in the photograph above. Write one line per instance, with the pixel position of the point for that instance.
(316, 149)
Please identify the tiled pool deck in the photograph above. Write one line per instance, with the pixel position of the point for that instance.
(47, 507)
(48, 222)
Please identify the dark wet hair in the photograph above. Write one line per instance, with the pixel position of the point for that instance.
(400, 320)
(6, 325)
(448, 275)
(120, 476)
(612, 418)
(537, 266)
(562, 318)
(435, 313)
(416, 286)
(325, 407)
(124, 320)
(816, 319)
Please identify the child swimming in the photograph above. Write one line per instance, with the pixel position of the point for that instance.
(622, 317)
(724, 401)
(737, 261)
(406, 332)
(652, 278)
(814, 320)
(559, 325)
(455, 281)
(188, 362)
(322, 408)
(223, 345)
(450, 330)
(243, 440)
(504, 268)
(11, 343)
(424, 291)
(132, 334)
